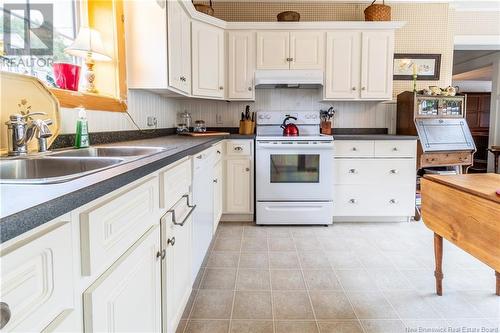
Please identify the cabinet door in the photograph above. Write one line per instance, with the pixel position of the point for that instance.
(241, 64)
(208, 60)
(36, 279)
(307, 50)
(176, 267)
(273, 50)
(179, 47)
(343, 51)
(218, 180)
(146, 44)
(127, 297)
(238, 186)
(376, 64)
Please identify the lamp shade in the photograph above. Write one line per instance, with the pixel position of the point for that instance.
(88, 41)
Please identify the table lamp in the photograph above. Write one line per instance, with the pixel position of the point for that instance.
(88, 45)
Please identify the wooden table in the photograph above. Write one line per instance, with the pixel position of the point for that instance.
(465, 210)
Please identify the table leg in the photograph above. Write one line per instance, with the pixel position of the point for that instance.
(497, 274)
(438, 255)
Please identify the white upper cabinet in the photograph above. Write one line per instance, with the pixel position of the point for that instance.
(208, 60)
(342, 65)
(307, 49)
(359, 65)
(241, 64)
(179, 47)
(146, 44)
(376, 64)
(290, 50)
(273, 50)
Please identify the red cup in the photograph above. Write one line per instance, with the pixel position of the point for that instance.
(67, 75)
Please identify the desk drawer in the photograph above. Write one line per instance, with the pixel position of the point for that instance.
(174, 183)
(111, 227)
(374, 171)
(354, 148)
(238, 147)
(396, 148)
(374, 200)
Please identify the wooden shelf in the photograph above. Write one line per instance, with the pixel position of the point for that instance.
(74, 99)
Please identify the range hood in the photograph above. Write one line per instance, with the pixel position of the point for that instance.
(288, 78)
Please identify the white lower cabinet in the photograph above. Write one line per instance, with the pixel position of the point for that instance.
(176, 240)
(218, 193)
(238, 186)
(36, 283)
(374, 179)
(127, 297)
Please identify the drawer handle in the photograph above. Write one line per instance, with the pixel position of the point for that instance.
(215, 180)
(354, 149)
(353, 171)
(393, 201)
(218, 152)
(249, 88)
(174, 219)
(221, 88)
(353, 88)
(394, 171)
(395, 149)
(238, 148)
(199, 157)
(247, 169)
(161, 254)
(353, 201)
(171, 241)
(4, 314)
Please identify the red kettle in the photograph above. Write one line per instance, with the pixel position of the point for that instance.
(289, 129)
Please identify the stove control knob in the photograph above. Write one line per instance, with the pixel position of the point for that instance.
(314, 116)
(308, 116)
(261, 116)
(268, 116)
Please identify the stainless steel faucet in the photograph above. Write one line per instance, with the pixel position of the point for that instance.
(22, 128)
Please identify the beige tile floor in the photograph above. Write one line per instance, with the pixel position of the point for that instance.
(346, 278)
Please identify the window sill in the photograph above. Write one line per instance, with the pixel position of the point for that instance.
(74, 99)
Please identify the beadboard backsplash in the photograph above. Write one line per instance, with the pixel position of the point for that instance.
(227, 114)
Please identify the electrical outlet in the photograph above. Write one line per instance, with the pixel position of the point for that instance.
(152, 121)
(218, 119)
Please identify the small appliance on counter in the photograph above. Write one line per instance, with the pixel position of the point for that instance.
(294, 182)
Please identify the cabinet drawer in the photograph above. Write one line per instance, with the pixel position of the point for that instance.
(37, 280)
(238, 147)
(374, 171)
(219, 152)
(110, 228)
(174, 183)
(396, 148)
(353, 148)
(374, 200)
(439, 159)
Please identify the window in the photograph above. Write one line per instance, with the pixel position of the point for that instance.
(55, 18)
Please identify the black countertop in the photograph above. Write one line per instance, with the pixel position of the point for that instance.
(25, 207)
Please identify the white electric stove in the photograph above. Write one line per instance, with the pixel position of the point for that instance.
(294, 183)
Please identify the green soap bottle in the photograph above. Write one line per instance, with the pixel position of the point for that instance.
(82, 131)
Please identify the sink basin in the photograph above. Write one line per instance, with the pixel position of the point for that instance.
(109, 152)
(51, 170)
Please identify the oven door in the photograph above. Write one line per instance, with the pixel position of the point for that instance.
(294, 171)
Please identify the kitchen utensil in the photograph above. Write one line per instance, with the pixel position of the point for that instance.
(289, 129)
(207, 133)
(247, 112)
(199, 126)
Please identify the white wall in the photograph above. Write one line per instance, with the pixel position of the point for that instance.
(472, 86)
(143, 104)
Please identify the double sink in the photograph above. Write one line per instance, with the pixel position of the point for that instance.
(66, 165)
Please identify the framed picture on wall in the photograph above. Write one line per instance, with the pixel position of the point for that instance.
(427, 66)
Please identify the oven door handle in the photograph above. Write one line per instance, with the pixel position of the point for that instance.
(295, 146)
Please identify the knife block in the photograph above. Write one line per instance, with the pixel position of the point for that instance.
(246, 127)
(326, 127)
